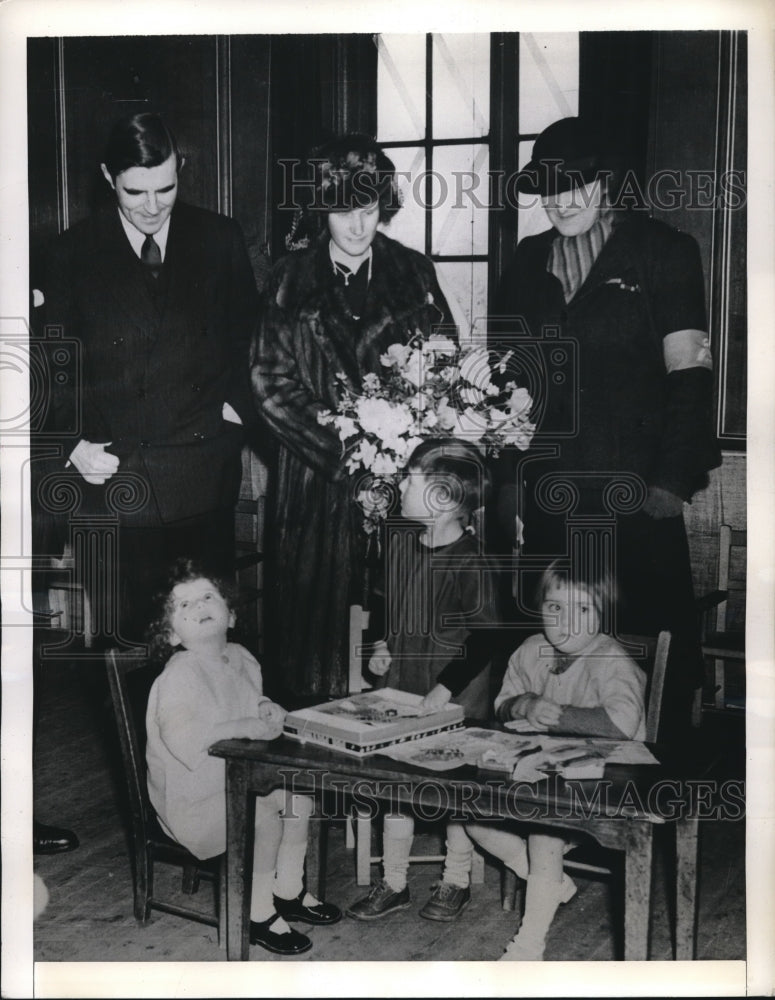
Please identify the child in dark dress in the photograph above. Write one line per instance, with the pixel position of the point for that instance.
(440, 605)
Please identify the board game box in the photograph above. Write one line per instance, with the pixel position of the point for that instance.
(371, 721)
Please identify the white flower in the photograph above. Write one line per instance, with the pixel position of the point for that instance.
(371, 382)
(347, 427)
(395, 356)
(470, 394)
(520, 401)
(420, 401)
(384, 465)
(520, 434)
(446, 414)
(450, 374)
(440, 345)
(368, 454)
(475, 368)
(414, 369)
(429, 420)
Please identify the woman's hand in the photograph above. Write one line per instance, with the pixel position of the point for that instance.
(543, 712)
(436, 698)
(381, 659)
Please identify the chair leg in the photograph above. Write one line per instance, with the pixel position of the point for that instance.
(362, 848)
(190, 879)
(222, 904)
(720, 681)
(477, 868)
(509, 886)
(143, 882)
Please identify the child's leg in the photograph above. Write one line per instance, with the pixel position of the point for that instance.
(511, 849)
(508, 847)
(397, 836)
(289, 880)
(459, 856)
(268, 834)
(543, 896)
(391, 893)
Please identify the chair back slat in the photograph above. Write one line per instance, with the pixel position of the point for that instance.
(129, 711)
(651, 653)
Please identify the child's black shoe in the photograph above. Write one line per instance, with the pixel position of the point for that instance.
(313, 913)
(288, 943)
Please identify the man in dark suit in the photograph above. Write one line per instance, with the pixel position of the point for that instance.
(161, 300)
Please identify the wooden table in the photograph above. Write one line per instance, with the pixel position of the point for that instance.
(620, 811)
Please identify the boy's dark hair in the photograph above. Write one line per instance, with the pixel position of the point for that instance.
(468, 479)
(181, 571)
(588, 574)
(140, 140)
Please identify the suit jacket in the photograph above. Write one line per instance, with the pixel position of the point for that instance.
(158, 359)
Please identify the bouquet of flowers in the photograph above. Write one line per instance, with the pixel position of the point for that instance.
(428, 387)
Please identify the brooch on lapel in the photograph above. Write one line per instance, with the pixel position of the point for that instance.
(623, 285)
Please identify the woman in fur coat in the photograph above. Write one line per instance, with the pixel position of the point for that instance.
(330, 309)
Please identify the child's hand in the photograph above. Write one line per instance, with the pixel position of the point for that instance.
(381, 659)
(271, 712)
(436, 698)
(271, 718)
(543, 712)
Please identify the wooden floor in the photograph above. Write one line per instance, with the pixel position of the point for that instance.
(89, 916)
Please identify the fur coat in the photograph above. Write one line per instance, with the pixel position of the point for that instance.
(315, 542)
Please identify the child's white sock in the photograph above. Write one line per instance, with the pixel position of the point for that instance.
(289, 879)
(261, 902)
(397, 836)
(459, 856)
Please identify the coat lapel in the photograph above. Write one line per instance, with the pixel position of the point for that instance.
(122, 279)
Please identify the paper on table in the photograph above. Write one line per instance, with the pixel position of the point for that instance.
(445, 751)
(580, 758)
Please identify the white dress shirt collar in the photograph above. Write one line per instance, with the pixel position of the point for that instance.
(136, 238)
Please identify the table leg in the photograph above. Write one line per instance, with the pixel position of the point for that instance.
(239, 861)
(686, 855)
(317, 851)
(637, 891)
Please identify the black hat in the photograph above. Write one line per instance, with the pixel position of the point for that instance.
(568, 154)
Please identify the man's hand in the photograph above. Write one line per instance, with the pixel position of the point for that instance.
(662, 503)
(543, 712)
(381, 659)
(436, 698)
(94, 463)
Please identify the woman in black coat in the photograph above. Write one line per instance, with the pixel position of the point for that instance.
(625, 426)
(332, 308)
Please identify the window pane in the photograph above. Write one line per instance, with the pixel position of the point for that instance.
(531, 218)
(408, 226)
(400, 87)
(461, 86)
(465, 286)
(460, 199)
(548, 78)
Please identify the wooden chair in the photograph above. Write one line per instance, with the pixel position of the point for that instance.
(724, 640)
(651, 653)
(130, 678)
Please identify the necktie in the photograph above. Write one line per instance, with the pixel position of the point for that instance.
(150, 255)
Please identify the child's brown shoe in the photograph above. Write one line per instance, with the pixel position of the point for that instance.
(381, 900)
(447, 902)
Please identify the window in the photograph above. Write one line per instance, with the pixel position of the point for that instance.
(434, 121)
